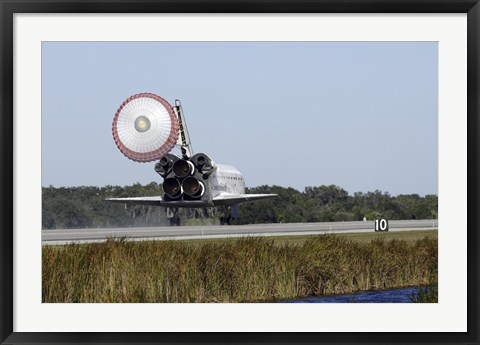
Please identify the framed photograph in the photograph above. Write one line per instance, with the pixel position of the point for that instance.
(370, 96)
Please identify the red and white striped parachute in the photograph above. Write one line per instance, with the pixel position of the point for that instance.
(145, 127)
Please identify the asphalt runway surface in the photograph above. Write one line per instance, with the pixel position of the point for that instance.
(64, 236)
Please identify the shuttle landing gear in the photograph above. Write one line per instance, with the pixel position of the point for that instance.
(226, 220)
(230, 213)
(175, 221)
(173, 216)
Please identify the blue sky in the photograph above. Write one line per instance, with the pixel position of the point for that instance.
(361, 115)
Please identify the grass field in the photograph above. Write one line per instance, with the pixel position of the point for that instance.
(236, 270)
(360, 237)
(390, 235)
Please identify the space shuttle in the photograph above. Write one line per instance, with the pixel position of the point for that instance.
(145, 129)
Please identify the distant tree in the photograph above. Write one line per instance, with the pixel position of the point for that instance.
(326, 194)
(85, 206)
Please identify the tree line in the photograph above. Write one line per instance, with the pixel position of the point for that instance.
(85, 206)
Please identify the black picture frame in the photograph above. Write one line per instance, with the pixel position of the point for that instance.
(10, 7)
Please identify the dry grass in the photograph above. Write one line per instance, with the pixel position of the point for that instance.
(242, 270)
(361, 237)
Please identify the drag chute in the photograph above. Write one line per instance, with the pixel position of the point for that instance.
(145, 127)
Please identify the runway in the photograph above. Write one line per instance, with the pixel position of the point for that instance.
(65, 236)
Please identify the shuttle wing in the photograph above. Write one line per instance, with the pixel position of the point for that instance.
(223, 199)
(232, 199)
(158, 201)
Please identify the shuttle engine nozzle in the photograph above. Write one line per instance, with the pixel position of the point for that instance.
(183, 168)
(204, 164)
(164, 163)
(193, 187)
(171, 187)
(163, 166)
